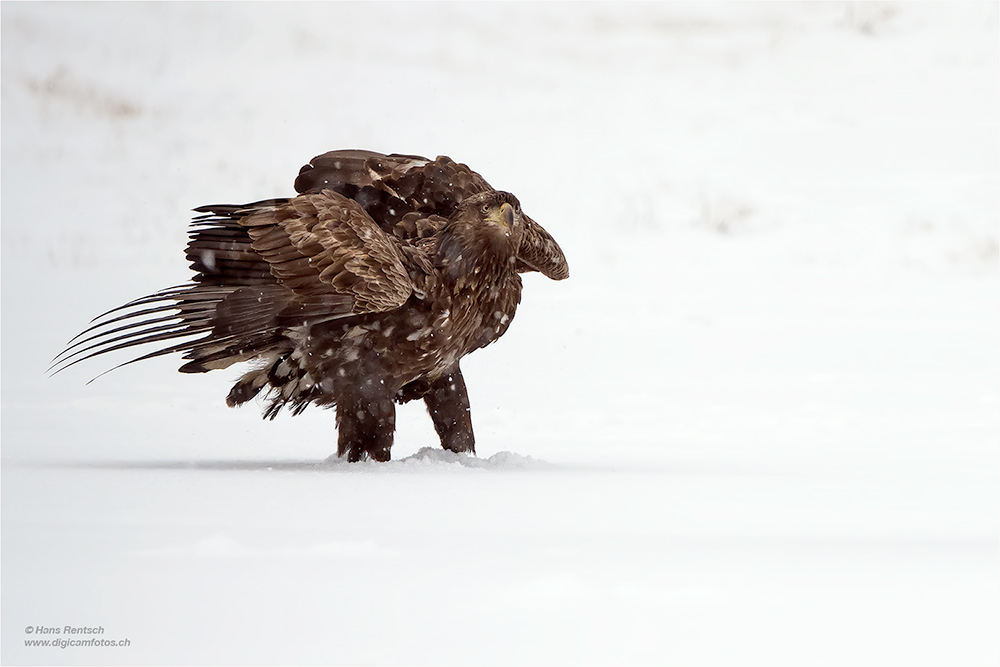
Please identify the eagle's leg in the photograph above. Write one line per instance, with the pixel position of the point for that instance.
(366, 420)
(448, 403)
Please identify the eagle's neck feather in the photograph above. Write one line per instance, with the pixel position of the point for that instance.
(470, 254)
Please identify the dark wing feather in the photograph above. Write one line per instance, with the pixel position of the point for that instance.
(189, 312)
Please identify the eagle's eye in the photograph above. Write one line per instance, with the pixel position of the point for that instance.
(485, 208)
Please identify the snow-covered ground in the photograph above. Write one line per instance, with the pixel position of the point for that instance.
(759, 424)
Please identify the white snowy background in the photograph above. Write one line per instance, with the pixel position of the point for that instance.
(759, 424)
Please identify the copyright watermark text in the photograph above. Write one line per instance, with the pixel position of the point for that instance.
(65, 636)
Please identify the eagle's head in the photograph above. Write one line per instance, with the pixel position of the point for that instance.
(495, 214)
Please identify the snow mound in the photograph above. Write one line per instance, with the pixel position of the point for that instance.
(432, 458)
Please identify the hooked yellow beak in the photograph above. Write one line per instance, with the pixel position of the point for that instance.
(506, 215)
(502, 217)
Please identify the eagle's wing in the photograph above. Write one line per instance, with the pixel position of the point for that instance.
(326, 244)
(260, 269)
(540, 252)
(389, 187)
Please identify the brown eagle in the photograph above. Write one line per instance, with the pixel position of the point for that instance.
(366, 289)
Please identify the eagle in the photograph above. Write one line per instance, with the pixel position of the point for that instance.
(363, 291)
